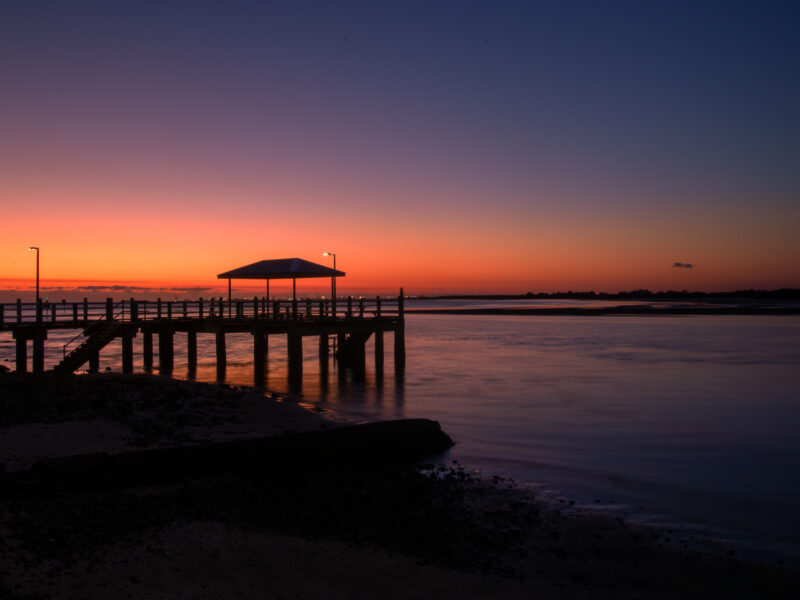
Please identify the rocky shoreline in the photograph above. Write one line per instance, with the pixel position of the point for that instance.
(322, 527)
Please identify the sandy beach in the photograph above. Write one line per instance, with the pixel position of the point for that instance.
(357, 530)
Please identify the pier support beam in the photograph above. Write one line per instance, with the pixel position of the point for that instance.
(378, 350)
(127, 351)
(399, 350)
(37, 334)
(400, 336)
(352, 354)
(295, 351)
(147, 350)
(259, 357)
(22, 354)
(191, 351)
(166, 351)
(222, 357)
(323, 352)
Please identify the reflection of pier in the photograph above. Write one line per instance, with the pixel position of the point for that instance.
(101, 323)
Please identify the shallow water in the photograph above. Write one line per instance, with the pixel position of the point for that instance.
(685, 419)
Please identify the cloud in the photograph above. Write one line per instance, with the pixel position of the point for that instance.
(131, 289)
(190, 289)
(682, 265)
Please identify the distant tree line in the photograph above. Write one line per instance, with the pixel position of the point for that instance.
(779, 294)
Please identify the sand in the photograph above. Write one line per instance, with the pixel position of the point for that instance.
(353, 531)
(114, 413)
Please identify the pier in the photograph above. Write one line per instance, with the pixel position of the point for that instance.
(159, 322)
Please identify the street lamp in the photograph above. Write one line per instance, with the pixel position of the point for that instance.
(37, 271)
(333, 283)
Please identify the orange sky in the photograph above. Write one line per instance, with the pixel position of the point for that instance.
(424, 248)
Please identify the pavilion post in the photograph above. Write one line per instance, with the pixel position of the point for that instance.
(229, 297)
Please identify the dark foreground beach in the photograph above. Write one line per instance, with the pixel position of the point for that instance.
(312, 510)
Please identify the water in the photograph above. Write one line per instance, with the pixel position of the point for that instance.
(690, 421)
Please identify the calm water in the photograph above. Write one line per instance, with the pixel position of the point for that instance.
(691, 421)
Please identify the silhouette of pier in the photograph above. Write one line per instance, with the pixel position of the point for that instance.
(348, 331)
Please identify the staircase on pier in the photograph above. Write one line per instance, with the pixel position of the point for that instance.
(99, 335)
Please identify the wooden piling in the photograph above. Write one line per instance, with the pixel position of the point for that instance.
(222, 357)
(323, 352)
(127, 351)
(378, 337)
(166, 351)
(22, 354)
(259, 357)
(191, 349)
(295, 353)
(378, 350)
(39, 336)
(147, 349)
(400, 336)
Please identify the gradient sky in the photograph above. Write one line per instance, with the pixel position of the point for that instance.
(442, 146)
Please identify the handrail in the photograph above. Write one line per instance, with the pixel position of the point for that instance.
(77, 314)
(95, 323)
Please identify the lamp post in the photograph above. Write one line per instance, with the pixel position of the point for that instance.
(37, 271)
(333, 283)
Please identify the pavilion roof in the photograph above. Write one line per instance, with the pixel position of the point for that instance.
(281, 268)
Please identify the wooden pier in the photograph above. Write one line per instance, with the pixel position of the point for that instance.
(101, 323)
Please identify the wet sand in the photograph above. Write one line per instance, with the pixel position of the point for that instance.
(323, 531)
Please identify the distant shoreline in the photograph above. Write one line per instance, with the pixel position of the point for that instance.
(641, 295)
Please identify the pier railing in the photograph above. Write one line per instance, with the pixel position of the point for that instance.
(81, 314)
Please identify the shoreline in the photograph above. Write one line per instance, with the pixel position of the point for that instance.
(337, 530)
